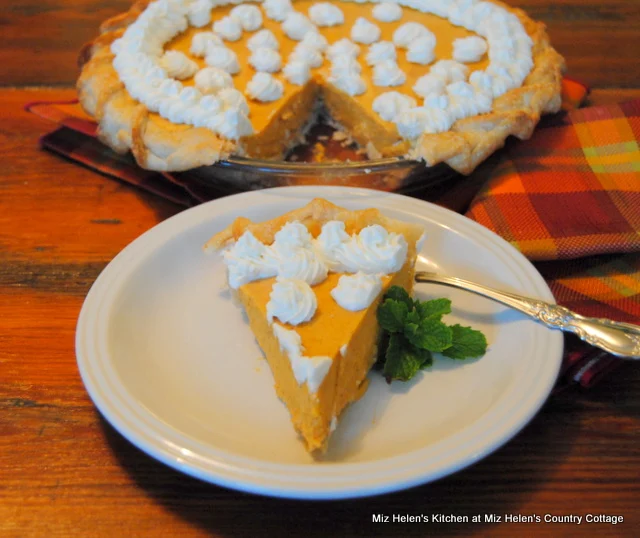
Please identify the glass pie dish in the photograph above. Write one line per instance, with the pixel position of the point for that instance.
(323, 159)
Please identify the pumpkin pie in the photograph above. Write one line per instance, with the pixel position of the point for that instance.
(310, 282)
(185, 83)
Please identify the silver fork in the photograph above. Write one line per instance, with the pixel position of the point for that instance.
(618, 338)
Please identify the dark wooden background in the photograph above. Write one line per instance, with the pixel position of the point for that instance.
(65, 472)
(39, 39)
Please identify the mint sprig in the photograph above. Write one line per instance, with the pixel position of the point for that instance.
(429, 334)
(403, 360)
(392, 315)
(466, 342)
(433, 309)
(412, 330)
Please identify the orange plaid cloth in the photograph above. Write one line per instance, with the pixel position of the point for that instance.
(598, 286)
(572, 191)
(569, 199)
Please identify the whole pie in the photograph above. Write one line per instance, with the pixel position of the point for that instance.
(310, 282)
(185, 83)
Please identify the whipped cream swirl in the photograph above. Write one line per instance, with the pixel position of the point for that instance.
(306, 54)
(178, 65)
(408, 33)
(345, 74)
(232, 121)
(495, 85)
(331, 239)
(365, 32)
(315, 41)
(264, 87)
(342, 48)
(266, 59)
(223, 58)
(296, 26)
(203, 41)
(138, 55)
(349, 82)
(212, 80)
(184, 108)
(387, 12)
(228, 28)
(277, 9)
(326, 14)
(309, 370)
(303, 264)
(450, 71)
(387, 73)
(208, 107)
(291, 301)
(249, 17)
(297, 72)
(232, 98)
(381, 51)
(248, 260)
(263, 39)
(164, 91)
(373, 250)
(292, 236)
(296, 255)
(435, 100)
(465, 101)
(502, 77)
(356, 292)
(389, 105)
(345, 65)
(469, 49)
(290, 256)
(422, 50)
(413, 122)
(428, 84)
(200, 13)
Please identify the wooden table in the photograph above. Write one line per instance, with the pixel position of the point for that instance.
(65, 472)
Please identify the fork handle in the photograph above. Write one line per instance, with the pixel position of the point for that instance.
(620, 339)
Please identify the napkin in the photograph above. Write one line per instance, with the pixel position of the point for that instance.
(569, 199)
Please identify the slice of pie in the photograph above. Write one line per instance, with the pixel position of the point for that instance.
(310, 282)
(184, 83)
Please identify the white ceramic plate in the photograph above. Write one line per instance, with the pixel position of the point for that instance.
(170, 361)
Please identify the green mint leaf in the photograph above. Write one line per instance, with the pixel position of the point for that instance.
(383, 344)
(412, 330)
(435, 308)
(430, 334)
(392, 315)
(466, 343)
(412, 317)
(426, 357)
(403, 360)
(399, 294)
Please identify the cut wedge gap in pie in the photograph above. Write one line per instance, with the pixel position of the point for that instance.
(310, 282)
(185, 83)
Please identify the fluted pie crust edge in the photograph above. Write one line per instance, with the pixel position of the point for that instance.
(125, 125)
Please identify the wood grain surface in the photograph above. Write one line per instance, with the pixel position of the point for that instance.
(64, 471)
(39, 39)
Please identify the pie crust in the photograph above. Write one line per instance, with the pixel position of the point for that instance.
(313, 215)
(158, 144)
